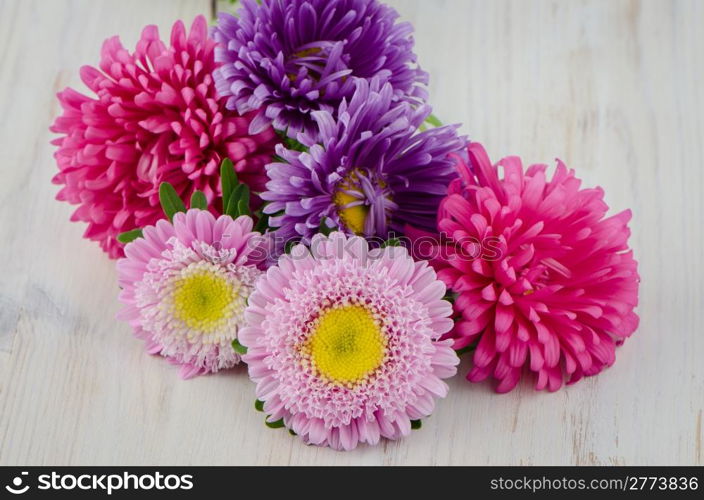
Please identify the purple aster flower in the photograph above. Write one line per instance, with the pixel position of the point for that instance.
(370, 172)
(292, 57)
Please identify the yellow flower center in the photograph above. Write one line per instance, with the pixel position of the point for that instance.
(352, 217)
(202, 300)
(347, 344)
(307, 52)
(312, 51)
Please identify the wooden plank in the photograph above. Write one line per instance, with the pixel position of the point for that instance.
(613, 88)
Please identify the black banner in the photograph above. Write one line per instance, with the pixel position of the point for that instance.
(365, 482)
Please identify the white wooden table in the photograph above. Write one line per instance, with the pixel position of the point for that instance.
(615, 88)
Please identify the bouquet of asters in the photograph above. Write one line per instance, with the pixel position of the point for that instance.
(278, 193)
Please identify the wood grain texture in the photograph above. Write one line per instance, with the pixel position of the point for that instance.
(614, 88)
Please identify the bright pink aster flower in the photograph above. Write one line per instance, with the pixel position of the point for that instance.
(545, 282)
(156, 118)
(343, 341)
(185, 287)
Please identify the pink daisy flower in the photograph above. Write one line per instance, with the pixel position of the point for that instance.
(185, 287)
(156, 118)
(343, 342)
(544, 281)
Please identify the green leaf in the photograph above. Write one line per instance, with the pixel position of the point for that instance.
(231, 209)
(171, 203)
(262, 223)
(433, 120)
(416, 424)
(289, 142)
(323, 228)
(294, 145)
(292, 432)
(128, 236)
(289, 245)
(239, 348)
(450, 296)
(275, 425)
(198, 200)
(259, 405)
(466, 349)
(391, 242)
(242, 208)
(241, 193)
(228, 181)
(238, 203)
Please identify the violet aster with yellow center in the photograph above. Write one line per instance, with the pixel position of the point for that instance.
(343, 341)
(370, 172)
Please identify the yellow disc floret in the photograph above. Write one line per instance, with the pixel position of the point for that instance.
(354, 202)
(203, 299)
(347, 344)
(352, 217)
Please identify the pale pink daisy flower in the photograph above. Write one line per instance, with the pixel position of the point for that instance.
(185, 287)
(343, 341)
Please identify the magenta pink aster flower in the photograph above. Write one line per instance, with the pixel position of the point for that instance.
(185, 287)
(343, 341)
(156, 118)
(545, 282)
